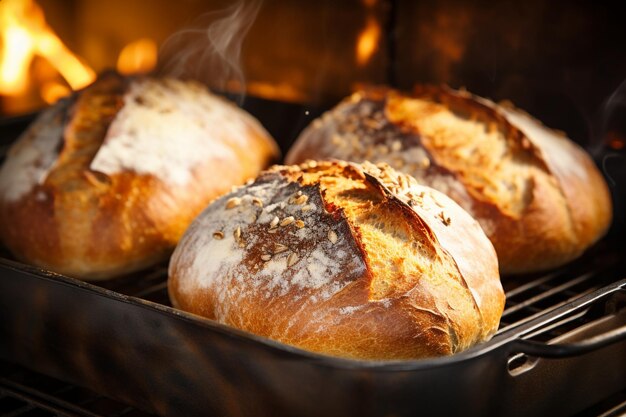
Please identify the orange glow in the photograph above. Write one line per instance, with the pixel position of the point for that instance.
(52, 91)
(615, 140)
(368, 41)
(26, 35)
(283, 91)
(138, 57)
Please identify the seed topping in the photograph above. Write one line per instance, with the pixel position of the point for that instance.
(279, 248)
(287, 221)
(292, 259)
(274, 222)
(233, 202)
(332, 236)
(445, 219)
(300, 200)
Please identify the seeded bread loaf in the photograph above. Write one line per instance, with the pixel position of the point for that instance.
(342, 259)
(107, 181)
(538, 196)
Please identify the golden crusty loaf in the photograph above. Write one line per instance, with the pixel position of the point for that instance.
(538, 196)
(107, 181)
(349, 260)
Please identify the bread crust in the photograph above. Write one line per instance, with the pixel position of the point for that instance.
(342, 259)
(538, 196)
(83, 209)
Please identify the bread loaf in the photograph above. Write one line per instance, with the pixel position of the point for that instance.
(105, 182)
(538, 195)
(342, 259)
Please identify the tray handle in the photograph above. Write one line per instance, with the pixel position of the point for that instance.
(542, 350)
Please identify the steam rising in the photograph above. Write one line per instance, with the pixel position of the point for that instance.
(209, 50)
(611, 108)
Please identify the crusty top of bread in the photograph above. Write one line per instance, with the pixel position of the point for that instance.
(538, 195)
(147, 126)
(105, 182)
(158, 117)
(344, 259)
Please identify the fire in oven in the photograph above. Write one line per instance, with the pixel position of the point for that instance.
(375, 207)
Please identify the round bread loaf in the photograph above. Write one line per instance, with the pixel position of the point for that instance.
(538, 196)
(349, 260)
(106, 182)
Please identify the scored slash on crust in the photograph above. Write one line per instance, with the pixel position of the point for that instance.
(301, 260)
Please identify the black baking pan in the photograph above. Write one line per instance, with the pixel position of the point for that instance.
(169, 362)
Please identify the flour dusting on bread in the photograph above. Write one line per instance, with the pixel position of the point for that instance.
(105, 182)
(355, 260)
(167, 128)
(29, 161)
(275, 236)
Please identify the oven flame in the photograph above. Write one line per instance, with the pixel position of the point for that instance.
(53, 91)
(26, 35)
(138, 57)
(367, 42)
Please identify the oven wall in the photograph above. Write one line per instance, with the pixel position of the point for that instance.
(559, 60)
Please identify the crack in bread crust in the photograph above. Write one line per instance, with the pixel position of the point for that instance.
(377, 268)
(439, 256)
(105, 183)
(537, 195)
(88, 121)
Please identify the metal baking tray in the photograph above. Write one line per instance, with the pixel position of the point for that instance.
(561, 348)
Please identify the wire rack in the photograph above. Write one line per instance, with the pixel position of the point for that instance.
(26, 393)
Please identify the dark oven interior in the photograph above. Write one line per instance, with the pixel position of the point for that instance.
(288, 61)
